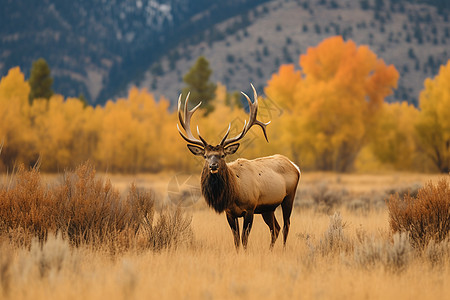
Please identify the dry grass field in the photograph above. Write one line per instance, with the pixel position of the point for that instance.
(347, 255)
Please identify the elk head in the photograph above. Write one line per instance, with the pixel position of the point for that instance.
(215, 155)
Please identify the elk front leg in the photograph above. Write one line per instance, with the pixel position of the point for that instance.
(248, 221)
(234, 225)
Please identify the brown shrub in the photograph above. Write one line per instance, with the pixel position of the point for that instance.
(85, 210)
(426, 217)
(26, 205)
(89, 209)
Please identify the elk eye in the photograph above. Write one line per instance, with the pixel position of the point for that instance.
(223, 155)
(204, 156)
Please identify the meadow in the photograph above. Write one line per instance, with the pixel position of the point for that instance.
(370, 234)
(340, 246)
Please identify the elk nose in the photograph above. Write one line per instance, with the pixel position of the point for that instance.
(213, 167)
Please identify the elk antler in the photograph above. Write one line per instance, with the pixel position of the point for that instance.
(253, 107)
(186, 123)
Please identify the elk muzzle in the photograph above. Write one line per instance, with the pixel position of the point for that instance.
(213, 163)
(214, 167)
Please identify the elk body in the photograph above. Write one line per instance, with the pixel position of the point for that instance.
(244, 187)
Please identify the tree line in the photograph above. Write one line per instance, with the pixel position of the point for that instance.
(329, 114)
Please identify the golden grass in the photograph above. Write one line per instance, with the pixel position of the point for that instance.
(210, 267)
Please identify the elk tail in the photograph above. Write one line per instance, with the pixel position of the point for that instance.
(298, 169)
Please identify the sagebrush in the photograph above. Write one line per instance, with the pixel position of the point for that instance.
(426, 216)
(86, 210)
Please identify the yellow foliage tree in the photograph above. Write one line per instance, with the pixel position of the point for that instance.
(65, 130)
(433, 125)
(14, 109)
(393, 141)
(333, 102)
(132, 133)
(321, 117)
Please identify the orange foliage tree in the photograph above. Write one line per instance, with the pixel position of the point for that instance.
(332, 102)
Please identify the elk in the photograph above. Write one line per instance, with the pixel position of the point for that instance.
(243, 187)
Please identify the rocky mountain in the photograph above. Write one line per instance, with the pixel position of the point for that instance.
(100, 48)
(96, 47)
(413, 36)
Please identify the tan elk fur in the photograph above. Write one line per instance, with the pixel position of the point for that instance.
(244, 187)
(259, 185)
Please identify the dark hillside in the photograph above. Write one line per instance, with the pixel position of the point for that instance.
(100, 48)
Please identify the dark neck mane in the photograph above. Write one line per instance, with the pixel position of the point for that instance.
(218, 189)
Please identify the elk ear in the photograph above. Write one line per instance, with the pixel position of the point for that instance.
(196, 150)
(231, 149)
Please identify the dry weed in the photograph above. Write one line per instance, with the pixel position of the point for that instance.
(393, 256)
(49, 257)
(321, 197)
(326, 198)
(437, 254)
(402, 190)
(367, 202)
(334, 240)
(172, 229)
(6, 262)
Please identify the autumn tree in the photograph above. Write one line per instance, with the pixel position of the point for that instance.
(393, 141)
(40, 80)
(138, 133)
(335, 99)
(14, 123)
(433, 125)
(198, 84)
(66, 131)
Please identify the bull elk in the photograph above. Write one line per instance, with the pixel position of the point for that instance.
(243, 187)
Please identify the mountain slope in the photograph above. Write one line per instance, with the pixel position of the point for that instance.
(97, 47)
(414, 37)
(100, 48)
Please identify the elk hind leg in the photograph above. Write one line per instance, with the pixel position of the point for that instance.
(234, 225)
(274, 227)
(248, 221)
(286, 206)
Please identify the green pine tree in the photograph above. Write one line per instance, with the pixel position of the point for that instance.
(83, 100)
(198, 84)
(40, 80)
(233, 99)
